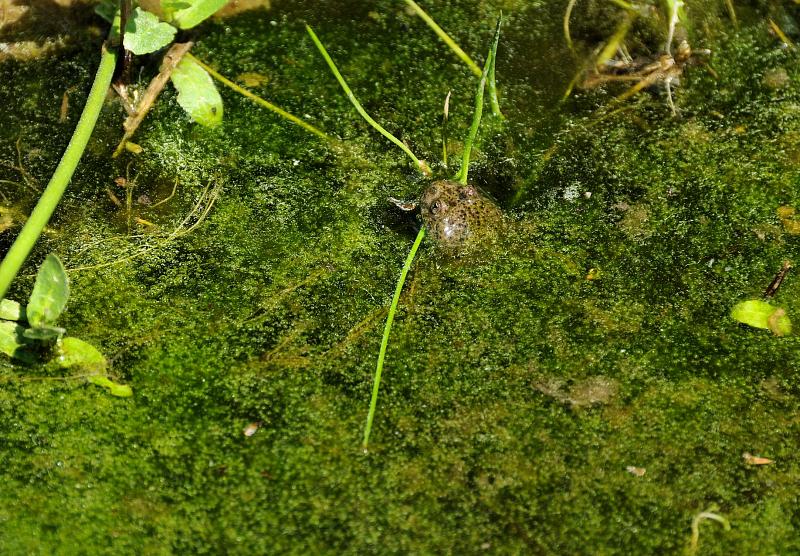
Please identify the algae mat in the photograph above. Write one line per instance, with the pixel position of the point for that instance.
(581, 390)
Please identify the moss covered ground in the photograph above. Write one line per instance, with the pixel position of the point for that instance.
(517, 390)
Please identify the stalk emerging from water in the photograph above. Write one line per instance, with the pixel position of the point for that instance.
(44, 209)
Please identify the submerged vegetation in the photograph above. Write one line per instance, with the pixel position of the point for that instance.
(581, 387)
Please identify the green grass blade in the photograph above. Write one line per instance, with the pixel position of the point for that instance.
(386, 330)
(476, 117)
(447, 39)
(494, 102)
(565, 26)
(423, 167)
(258, 100)
(445, 117)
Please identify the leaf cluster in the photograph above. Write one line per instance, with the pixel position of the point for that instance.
(30, 334)
(146, 33)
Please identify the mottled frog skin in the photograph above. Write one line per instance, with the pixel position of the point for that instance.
(458, 216)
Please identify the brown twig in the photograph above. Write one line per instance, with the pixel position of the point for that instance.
(168, 64)
(773, 287)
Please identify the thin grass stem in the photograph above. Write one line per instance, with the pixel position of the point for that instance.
(476, 117)
(447, 39)
(386, 331)
(421, 165)
(445, 116)
(675, 7)
(781, 35)
(494, 102)
(732, 13)
(258, 100)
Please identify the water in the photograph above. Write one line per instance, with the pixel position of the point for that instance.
(517, 390)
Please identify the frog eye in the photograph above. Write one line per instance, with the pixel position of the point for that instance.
(436, 207)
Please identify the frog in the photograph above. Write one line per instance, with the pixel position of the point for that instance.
(457, 217)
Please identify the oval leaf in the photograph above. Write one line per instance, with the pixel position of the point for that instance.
(188, 13)
(760, 314)
(145, 33)
(197, 93)
(50, 293)
(77, 353)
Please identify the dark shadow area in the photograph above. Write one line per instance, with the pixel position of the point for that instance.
(40, 20)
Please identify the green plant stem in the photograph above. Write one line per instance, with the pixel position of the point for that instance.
(41, 214)
(258, 100)
(423, 167)
(565, 26)
(476, 117)
(445, 37)
(448, 40)
(445, 116)
(386, 330)
(494, 102)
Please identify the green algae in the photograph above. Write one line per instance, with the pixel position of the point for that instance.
(271, 309)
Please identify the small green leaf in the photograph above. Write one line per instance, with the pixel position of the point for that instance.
(760, 314)
(753, 312)
(43, 333)
(115, 389)
(197, 93)
(50, 293)
(145, 33)
(185, 14)
(11, 310)
(11, 338)
(77, 353)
